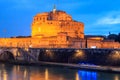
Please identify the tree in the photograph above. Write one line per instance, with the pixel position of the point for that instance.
(113, 37)
(119, 37)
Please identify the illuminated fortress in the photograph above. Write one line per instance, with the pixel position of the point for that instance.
(54, 23)
(57, 29)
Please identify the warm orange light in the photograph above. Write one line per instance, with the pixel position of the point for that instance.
(115, 55)
(96, 38)
(25, 74)
(77, 77)
(5, 76)
(116, 77)
(79, 54)
(46, 74)
(49, 53)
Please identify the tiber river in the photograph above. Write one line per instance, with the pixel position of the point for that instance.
(16, 72)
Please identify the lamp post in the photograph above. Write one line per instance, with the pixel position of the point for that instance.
(86, 43)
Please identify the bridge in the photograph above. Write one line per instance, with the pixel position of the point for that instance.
(61, 55)
(17, 54)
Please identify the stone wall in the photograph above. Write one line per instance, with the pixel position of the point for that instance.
(57, 42)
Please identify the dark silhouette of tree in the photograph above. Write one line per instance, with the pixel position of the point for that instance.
(119, 37)
(115, 37)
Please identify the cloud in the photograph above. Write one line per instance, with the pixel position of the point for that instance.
(109, 19)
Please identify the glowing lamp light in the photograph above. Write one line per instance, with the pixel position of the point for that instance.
(115, 55)
(79, 54)
(49, 53)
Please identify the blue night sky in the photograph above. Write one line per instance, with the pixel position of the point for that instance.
(99, 16)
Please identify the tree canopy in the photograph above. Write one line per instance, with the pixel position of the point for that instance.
(115, 37)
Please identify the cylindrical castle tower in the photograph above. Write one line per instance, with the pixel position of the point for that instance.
(49, 24)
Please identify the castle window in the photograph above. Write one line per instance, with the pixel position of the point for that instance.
(43, 19)
(47, 18)
(37, 19)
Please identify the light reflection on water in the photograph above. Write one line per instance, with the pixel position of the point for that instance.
(13, 72)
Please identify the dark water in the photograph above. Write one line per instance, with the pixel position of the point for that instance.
(15, 72)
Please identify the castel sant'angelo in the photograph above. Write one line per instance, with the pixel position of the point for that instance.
(57, 29)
